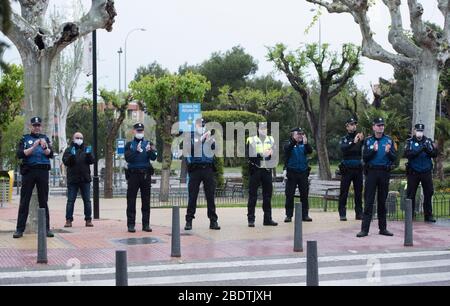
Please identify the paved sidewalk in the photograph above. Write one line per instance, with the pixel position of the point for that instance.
(96, 246)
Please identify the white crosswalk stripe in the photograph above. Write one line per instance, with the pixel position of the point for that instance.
(403, 268)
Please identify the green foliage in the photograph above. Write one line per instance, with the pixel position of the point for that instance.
(223, 117)
(397, 125)
(251, 100)
(80, 120)
(11, 94)
(231, 68)
(153, 69)
(443, 128)
(11, 136)
(315, 20)
(162, 95)
(265, 83)
(219, 164)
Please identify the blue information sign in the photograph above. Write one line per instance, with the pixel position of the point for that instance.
(188, 113)
(121, 146)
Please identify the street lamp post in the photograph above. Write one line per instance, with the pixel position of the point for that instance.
(120, 128)
(120, 69)
(129, 33)
(96, 180)
(320, 30)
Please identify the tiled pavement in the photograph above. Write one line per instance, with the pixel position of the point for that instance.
(97, 246)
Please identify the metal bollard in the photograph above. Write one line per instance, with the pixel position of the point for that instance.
(121, 269)
(176, 239)
(312, 265)
(298, 231)
(42, 237)
(408, 223)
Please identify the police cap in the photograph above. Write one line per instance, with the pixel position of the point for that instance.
(378, 121)
(420, 127)
(299, 130)
(36, 121)
(139, 127)
(352, 120)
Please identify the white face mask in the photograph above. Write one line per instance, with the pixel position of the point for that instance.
(140, 136)
(79, 142)
(201, 130)
(419, 134)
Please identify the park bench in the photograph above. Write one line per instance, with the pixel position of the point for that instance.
(327, 190)
(233, 186)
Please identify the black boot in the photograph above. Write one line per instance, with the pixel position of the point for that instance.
(270, 223)
(214, 225)
(188, 226)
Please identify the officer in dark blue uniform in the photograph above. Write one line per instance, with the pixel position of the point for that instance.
(35, 151)
(379, 155)
(296, 153)
(138, 154)
(351, 169)
(201, 169)
(419, 151)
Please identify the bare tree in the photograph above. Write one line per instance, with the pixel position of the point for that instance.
(424, 54)
(334, 71)
(39, 46)
(67, 70)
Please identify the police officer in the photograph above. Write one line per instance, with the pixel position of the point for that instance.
(78, 158)
(201, 169)
(379, 154)
(259, 153)
(297, 171)
(35, 151)
(351, 169)
(138, 154)
(419, 151)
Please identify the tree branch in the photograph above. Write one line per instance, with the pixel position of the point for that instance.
(33, 11)
(342, 81)
(373, 50)
(370, 48)
(22, 34)
(334, 7)
(444, 7)
(400, 42)
(100, 16)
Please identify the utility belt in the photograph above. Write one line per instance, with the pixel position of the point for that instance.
(307, 171)
(380, 168)
(344, 168)
(253, 168)
(139, 171)
(411, 171)
(25, 169)
(148, 171)
(198, 166)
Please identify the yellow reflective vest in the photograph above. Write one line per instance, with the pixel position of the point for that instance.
(261, 147)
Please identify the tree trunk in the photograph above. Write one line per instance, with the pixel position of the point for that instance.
(38, 99)
(1, 144)
(109, 168)
(183, 171)
(426, 82)
(321, 137)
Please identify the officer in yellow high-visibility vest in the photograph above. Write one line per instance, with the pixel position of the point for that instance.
(260, 150)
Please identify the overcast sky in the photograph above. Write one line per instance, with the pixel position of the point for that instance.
(180, 31)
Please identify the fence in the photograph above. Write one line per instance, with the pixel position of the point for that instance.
(4, 191)
(395, 203)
